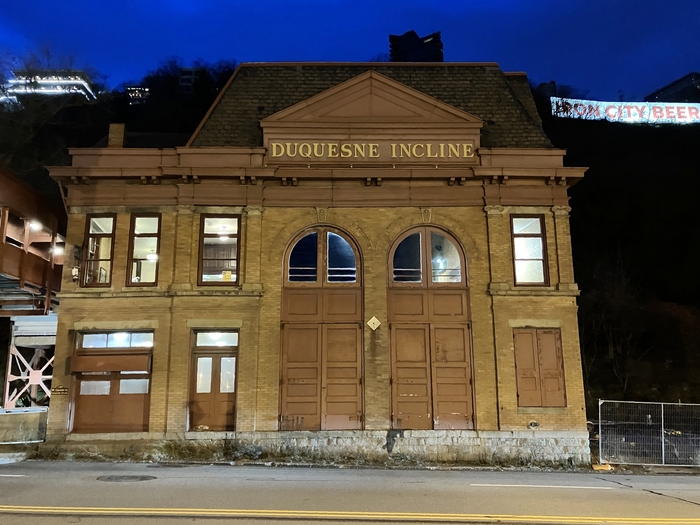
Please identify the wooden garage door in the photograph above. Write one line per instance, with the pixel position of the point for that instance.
(321, 377)
(431, 376)
(111, 402)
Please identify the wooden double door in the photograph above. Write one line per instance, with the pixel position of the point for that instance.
(321, 372)
(431, 359)
(213, 391)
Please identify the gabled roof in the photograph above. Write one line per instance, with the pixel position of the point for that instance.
(372, 97)
(257, 91)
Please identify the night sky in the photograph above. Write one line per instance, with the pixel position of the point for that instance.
(600, 45)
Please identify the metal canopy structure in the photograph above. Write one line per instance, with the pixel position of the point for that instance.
(31, 249)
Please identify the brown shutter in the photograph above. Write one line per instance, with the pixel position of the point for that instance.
(342, 369)
(451, 374)
(301, 377)
(551, 368)
(111, 363)
(411, 376)
(527, 367)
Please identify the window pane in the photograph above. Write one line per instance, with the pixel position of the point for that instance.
(528, 247)
(97, 272)
(145, 246)
(407, 260)
(94, 388)
(303, 261)
(444, 259)
(145, 225)
(100, 248)
(133, 386)
(143, 271)
(526, 225)
(142, 340)
(219, 259)
(217, 339)
(103, 225)
(203, 375)
(227, 384)
(341, 260)
(118, 340)
(529, 272)
(221, 226)
(94, 340)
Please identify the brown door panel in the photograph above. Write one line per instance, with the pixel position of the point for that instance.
(130, 413)
(301, 377)
(551, 368)
(93, 413)
(410, 349)
(408, 305)
(527, 367)
(412, 415)
(451, 377)
(448, 306)
(342, 305)
(302, 305)
(342, 373)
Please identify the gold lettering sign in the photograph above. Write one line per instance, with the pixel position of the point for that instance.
(380, 151)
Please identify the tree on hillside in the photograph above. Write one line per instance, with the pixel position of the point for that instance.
(179, 96)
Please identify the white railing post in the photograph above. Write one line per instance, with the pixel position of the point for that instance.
(600, 432)
(663, 444)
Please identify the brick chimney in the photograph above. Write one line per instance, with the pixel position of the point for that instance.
(115, 138)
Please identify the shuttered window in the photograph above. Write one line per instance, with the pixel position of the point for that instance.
(539, 367)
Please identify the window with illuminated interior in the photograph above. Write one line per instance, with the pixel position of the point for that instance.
(529, 250)
(144, 248)
(426, 256)
(218, 261)
(99, 244)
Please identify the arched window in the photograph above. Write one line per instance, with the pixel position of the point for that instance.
(427, 257)
(323, 256)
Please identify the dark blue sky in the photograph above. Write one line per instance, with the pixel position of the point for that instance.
(635, 46)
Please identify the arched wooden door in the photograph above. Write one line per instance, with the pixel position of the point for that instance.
(430, 332)
(321, 366)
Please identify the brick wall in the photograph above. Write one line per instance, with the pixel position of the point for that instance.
(177, 304)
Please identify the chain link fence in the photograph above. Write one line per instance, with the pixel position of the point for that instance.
(639, 433)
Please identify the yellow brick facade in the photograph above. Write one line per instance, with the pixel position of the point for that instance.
(177, 304)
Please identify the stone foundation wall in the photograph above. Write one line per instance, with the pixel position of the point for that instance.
(409, 447)
(23, 425)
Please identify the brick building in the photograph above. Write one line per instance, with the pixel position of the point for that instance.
(345, 259)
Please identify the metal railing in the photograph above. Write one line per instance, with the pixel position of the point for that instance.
(638, 433)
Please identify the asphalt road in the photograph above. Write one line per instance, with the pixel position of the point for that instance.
(49, 493)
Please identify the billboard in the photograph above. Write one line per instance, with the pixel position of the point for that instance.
(627, 112)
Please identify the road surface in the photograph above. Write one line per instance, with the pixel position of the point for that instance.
(49, 493)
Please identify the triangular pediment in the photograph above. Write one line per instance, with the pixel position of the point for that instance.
(372, 98)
